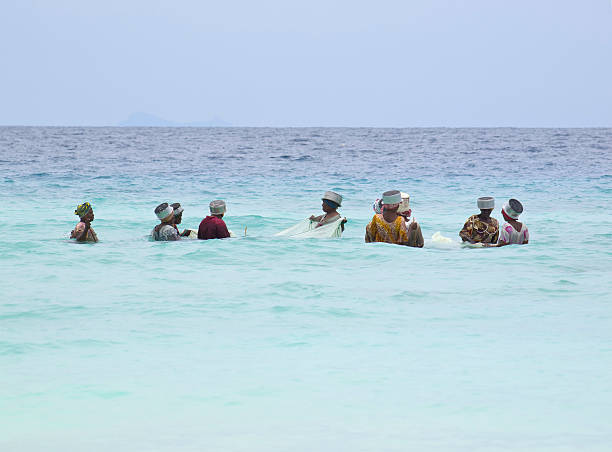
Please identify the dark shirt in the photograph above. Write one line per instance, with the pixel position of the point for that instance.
(212, 228)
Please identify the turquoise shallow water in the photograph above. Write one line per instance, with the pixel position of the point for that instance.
(260, 343)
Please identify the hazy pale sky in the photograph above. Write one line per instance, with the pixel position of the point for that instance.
(308, 63)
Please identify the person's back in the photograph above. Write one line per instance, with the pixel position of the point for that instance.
(213, 226)
(513, 232)
(164, 233)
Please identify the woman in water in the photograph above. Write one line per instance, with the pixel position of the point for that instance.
(513, 231)
(481, 228)
(331, 202)
(83, 232)
(165, 230)
(178, 218)
(390, 227)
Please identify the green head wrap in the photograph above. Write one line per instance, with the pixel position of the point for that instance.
(82, 209)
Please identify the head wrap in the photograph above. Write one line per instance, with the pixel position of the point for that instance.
(513, 208)
(331, 204)
(82, 209)
(163, 211)
(177, 208)
(377, 206)
(405, 204)
(486, 202)
(392, 197)
(333, 197)
(217, 207)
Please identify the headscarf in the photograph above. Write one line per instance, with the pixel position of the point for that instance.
(486, 202)
(513, 208)
(177, 208)
(217, 207)
(330, 203)
(82, 209)
(392, 198)
(163, 211)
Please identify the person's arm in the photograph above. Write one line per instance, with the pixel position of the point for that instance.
(417, 235)
(526, 241)
(81, 231)
(496, 236)
(221, 230)
(368, 237)
(344, 220)
(317, 219)
(466, 232)
(503, 238)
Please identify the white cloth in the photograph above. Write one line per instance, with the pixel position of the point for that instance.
(510, 236)
(307, 229)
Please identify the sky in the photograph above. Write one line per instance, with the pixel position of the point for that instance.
(426, 63)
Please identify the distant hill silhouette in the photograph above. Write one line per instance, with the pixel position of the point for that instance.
(140, 119)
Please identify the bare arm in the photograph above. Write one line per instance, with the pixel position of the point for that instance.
(466, 232)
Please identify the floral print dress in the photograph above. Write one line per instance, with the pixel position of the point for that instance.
(477, 231)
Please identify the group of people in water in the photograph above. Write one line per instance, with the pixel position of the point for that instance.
(391, 223)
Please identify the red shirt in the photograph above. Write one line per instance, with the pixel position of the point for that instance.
(212, 228)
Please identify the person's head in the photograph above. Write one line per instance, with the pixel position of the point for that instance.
(178, 212)
(512, 209)
(331, 201)
(165, 213)
(85, 212)
(391, 200)
(404, 207)
(486, 204)
(217, 208)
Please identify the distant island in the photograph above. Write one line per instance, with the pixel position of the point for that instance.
(140, 119)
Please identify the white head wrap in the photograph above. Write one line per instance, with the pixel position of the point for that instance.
(179, 210)
(217, 207)
(333, 197)
(392, 197)
(486, 202)
(163, 210)
(405, 204)
(513, 208)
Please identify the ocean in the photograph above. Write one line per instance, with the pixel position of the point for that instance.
(261, 343)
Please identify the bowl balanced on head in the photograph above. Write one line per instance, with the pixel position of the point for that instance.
(388, 226)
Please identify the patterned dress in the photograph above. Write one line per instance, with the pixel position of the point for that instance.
(378, 230)
(477, 231)
(165, 233)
